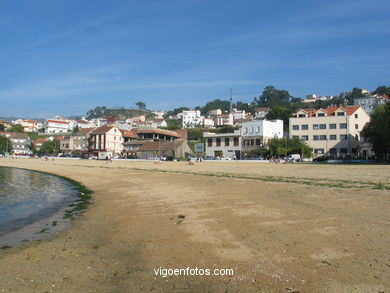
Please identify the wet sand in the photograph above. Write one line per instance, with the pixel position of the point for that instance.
(278, 236)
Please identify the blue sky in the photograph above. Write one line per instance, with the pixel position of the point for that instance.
(65, 57)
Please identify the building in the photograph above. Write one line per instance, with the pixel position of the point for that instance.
(334, 131)
(156, 134)
(190, 118)
(159, 122)
(77, 142)
(310, 98)
(256, 134)
(28, 125)
(159, 113)
(56, 126)
(368, 103)
(176, 149)
(215, 112)
(239, 114)
(261, 112)
(83, 123)
(5, 124)
(21, 143)
(106, 139)
(223, 145)
(224, 120)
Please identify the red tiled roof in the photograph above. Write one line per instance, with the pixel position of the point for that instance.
(128, 133)
(84, 131)
(331, 110)
(159, 131)
(102, 129)
(15, 135)
(160, 145)
(57, 121)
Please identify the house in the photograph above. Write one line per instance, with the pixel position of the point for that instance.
(256, 134)
(56, 126)
(77, 142)
(159, 122)
(223, 145)
(261, 112)
(215, 112)
(177, 149)
(21, 143)
(5, 124)
(83, 123)
(107, 139)
(310, 98)
(333, 131)
(159, 113)
(368, 103)
(190, 118)
(239, 114)
(128, 135)
(28, 125)
(224, 120)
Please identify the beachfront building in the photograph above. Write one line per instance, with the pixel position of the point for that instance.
(223, 145)
(334, 131)
(256, 134)
(106, 139)
(176, 149)
(77, 142)
(27, 124)
(156, 134)
(21, 143)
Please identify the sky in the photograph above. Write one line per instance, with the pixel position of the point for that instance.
(66, 57)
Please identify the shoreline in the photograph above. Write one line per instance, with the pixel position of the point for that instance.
(275, 235)
(37, 230)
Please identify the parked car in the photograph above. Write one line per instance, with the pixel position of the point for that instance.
(294, 158)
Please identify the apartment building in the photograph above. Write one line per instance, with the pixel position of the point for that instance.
(257, 133)
(20, 142)
(334, 131)
(106, 139)
(56, 126)
(223, 145)
(77, 142)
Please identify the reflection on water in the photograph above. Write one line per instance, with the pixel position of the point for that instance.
(28, 196)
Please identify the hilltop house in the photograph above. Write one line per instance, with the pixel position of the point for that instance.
(28, 125)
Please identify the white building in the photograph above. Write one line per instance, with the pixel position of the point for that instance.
(56, 126)
(159, 114)
(257, 133)
(238, 114)
(224, 120)
(28, 125)
(190, 118)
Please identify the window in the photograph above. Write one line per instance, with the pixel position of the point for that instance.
(320, 114)
(252, 142)
(305, 127)
(332, 137)
(235, 142)
(343, 125)
(315, 126)
(322, 137)
(210, 142)
(332, 126)
(295, 127)
(356, 116)
(305, 137)
(302, 115)
(322, 126)
(258, 141)
(343, 136)
(343, 151)
(356, 126)
(226, 141)
(218, 142)
(318, 151)
(333, 152)
(340, 114)
(315, 137)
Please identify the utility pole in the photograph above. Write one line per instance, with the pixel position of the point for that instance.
(231, 99)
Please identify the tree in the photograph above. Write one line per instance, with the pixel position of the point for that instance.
(98, 112)
(281, 113)
(173, 124)
(16, 128)
(50, 147)
(216, 104)
(283, 147)
(141, 105)
(272, 97)
(5, 144)
(382, 90)
(377, 131)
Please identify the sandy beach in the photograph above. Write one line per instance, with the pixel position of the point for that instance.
(281, 228)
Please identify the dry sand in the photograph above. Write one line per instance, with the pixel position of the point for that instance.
(277, 236)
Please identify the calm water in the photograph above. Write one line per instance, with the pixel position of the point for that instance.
(28, 196)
